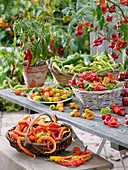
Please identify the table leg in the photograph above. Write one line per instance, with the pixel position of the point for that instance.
(77, 140)
(100, 146)
(121, 158)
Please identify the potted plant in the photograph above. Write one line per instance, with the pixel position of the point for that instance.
(35, 46)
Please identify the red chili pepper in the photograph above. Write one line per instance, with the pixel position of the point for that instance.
(114, 37)
(60, 136)
(12, 71)
(28, 65)
(60, 50)
(39, 128)
(76, 162)
(79, 27)
(57, 130)
(115, 55)
(21, 44)
(87, 23)
(48, 145)
(112, 9)
(109, 18)
(79, 33)
(52, 46)
(112, 45)
(104, 10)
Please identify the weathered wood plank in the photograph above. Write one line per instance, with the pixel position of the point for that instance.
(95, 126)
(13, 160)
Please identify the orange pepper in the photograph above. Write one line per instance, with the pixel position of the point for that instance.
(44, 88)
(78, 114)
(13, 135)
(48, 138)
(88, 114)
(102, 3)
(46, 94)
(123, 1)
(76, 106)
(61, 109)
(24, 149)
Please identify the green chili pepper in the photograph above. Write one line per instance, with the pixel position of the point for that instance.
(56, 66)
(59, 87)
(90, 87)
(73, 59)
(106, 110)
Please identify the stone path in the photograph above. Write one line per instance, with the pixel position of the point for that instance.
(8, 120)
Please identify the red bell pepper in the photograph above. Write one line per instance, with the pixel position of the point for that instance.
(99, 88)
(119, 110)
(113, 122)
(106, 115)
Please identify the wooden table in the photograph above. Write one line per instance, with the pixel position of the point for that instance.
(95, 126)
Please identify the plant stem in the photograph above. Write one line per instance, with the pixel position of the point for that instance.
(119, 9)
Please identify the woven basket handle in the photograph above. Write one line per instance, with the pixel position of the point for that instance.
(26, 135)
(118, 85)
(76, 74)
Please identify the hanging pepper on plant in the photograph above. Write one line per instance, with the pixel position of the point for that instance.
(28, 56)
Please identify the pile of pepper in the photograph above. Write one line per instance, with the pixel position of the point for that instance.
(52, 93)
(76, 159)
(40, 132)
(91, 81)
(78, 63)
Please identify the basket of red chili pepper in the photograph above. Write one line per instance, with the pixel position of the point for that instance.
(40, 137)
(95, 91)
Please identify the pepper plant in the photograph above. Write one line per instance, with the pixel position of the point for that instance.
(109, 20)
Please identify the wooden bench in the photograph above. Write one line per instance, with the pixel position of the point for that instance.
(11, 159)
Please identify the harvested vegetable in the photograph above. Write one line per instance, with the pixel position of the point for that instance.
(40, 132)
(118, 109)
(88, 114)
(52, 93)
(106, 110)
(91, 81)
(78, 63)
(76, 159)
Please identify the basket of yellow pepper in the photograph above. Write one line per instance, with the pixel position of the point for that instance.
(40, 137)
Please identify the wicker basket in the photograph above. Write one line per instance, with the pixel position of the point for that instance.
(62, 78)
(98, 99)
(40, 149)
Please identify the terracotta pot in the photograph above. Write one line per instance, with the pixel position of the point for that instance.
(35, 77)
